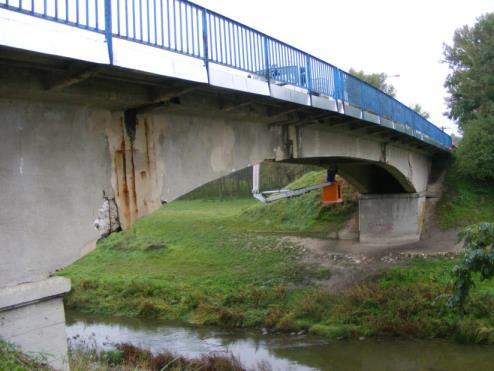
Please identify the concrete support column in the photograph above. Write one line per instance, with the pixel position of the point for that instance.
(32, 317)
(391, 218)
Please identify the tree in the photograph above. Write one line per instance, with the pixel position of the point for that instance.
(477, 258)
(475, 154)
(375, 79)
(418, 108)
(471, 81)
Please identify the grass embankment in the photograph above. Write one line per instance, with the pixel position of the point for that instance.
(225, 263)
(465, 201)
(12, 359)
(126, 357)
(205, 262)
(123, 357)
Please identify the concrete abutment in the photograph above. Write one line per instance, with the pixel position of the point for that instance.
(32, 317)
(391, 219)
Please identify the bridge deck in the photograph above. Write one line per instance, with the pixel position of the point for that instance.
(180, 39)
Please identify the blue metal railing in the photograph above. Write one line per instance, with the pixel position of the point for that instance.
(184, 27)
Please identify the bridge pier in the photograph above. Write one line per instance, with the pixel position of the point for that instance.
(391, 218)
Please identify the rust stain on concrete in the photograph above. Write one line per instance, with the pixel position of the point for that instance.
(135, 177)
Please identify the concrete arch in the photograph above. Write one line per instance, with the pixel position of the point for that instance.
(366, 176)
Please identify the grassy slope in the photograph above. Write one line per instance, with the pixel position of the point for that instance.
(13, 360)
(465, 201)
(205, 262)
(214, 262)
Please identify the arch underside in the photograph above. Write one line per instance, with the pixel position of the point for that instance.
(367, 177)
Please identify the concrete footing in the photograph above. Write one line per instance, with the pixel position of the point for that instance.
(391, 219)
(32, 317)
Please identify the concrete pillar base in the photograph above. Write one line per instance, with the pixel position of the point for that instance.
(32, 317)
(391, 219)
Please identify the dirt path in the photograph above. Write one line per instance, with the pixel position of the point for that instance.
(351, 262)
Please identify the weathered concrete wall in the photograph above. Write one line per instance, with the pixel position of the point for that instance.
(32, 316)
(54, 165)
(411, 169)
(391, 219)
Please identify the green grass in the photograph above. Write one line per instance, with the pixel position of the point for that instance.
(224, 263)
(305, 213)
(197, 261)
(465, 201)
(12, 359)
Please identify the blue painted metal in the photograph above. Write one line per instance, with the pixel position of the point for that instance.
(108, 29)
(198, 32)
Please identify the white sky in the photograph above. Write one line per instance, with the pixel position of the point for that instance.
(391, 36)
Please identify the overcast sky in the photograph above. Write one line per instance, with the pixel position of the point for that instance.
(391, 36)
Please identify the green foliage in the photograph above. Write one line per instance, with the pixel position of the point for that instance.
(471, 81)
(475, 155)
(379, 80)
(465, 200)
(112, 357)
(477, 258)
(13, 360)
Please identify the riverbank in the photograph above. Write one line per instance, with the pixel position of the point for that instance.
(236, 264)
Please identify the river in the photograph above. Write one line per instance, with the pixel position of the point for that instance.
(280, 351)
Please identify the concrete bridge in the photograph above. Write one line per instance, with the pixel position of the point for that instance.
(109, 102)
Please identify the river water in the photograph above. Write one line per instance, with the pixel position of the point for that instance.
(280, 351)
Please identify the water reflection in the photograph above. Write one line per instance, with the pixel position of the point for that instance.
(281, 352)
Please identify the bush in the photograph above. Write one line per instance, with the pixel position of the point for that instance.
(475, 154)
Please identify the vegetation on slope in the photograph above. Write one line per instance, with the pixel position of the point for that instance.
(196, 261)
(306, 212)
(13, 360)
(465, 201)
(227, 263)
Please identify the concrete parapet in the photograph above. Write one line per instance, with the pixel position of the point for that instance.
(391, 218)
(31, 313)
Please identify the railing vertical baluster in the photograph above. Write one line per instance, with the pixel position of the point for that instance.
(127, 18)
(222, 31)
(155, 25)
(198, 32)
(230, 46)
(266, 56)
(216, 50)
(168, 22)
(87, 13)
(44, 9)
(108, 29)
(205, 39)
(308, 73)
(77, 12)
(134, 26)
(67, 11)
(162, 25)
(32, 6)
(118, 17)
(140, 21)
(96, 9)
(192, 29)
(175, 24)
(186, 28)
(148, 21)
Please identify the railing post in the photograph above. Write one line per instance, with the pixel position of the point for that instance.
(108, 29)
(205, 39)
(266, 56)
(308, 73)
